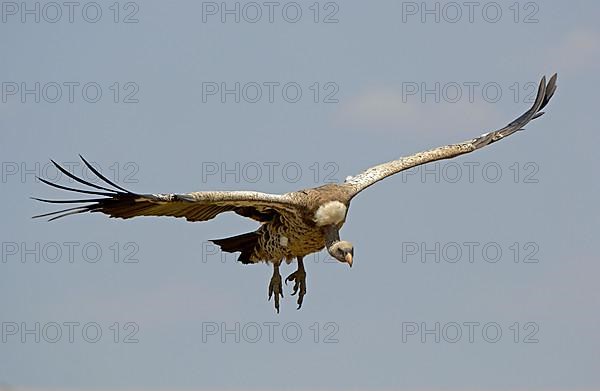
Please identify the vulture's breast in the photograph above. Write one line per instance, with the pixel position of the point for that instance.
(330, 213)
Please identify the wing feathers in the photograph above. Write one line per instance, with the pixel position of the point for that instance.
(76, 179)
(102, 176)
(73, 189)
(377, 173)
(198, 206)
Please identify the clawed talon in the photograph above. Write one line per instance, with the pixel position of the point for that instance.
(275, 286)
(299, 277)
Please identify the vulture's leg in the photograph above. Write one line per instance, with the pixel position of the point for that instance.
(299, 276)
(275, 285)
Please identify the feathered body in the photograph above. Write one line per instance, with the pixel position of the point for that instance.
(295, 233)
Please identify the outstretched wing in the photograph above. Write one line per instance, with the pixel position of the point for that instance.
(377, 173)
(198, 206)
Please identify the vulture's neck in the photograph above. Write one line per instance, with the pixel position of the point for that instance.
(332, 236)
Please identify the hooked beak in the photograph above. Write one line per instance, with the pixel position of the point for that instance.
(348, 259)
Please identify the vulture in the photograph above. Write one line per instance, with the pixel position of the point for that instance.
(292, 225)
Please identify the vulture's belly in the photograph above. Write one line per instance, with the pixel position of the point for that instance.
(305, 242)
(288, 241)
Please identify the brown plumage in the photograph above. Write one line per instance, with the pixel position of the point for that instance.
(293, 225)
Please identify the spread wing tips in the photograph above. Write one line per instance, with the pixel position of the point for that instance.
(105, 190)
(550, 89)
(56, 185)
(106, 180)
(544, 94)
(69, 201)
(90, 204)
(65, 212)
(77, 179)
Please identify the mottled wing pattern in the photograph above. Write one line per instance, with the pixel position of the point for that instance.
(198, 206)
(377, 173)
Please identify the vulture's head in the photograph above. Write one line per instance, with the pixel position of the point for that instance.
(343, 251)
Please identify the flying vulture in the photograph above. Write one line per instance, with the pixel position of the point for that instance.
(292, 225)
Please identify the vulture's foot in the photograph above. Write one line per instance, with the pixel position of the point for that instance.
(275, 286)
(299, 277)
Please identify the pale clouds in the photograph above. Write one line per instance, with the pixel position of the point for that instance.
(385, 110)
(579, 50)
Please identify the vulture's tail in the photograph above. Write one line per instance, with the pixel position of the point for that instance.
(245, 243)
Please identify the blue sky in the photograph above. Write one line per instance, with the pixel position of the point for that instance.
(500, 240)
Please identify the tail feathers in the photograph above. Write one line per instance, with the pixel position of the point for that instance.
(245, 243)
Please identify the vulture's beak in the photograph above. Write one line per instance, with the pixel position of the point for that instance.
(348, 259)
